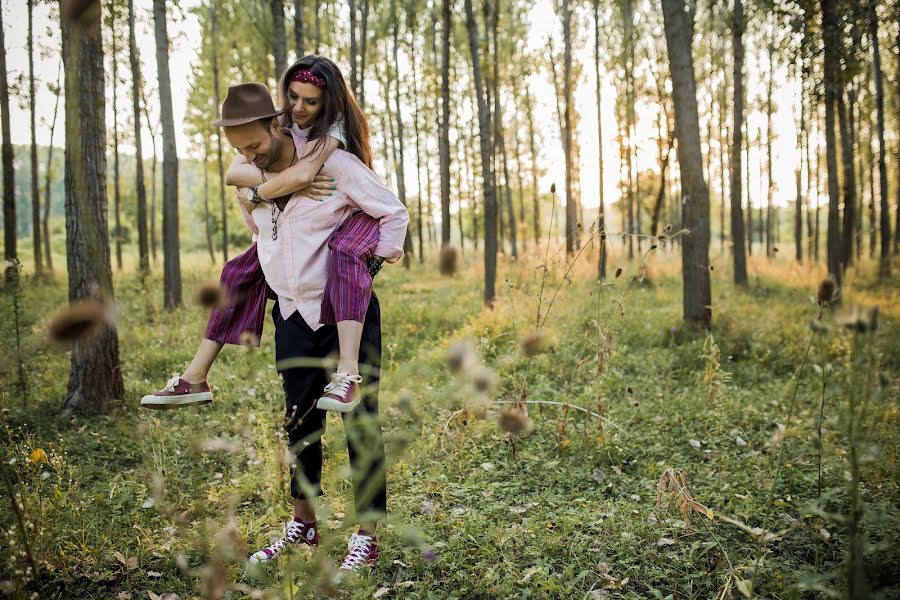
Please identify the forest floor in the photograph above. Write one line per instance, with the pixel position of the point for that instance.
(140, 504)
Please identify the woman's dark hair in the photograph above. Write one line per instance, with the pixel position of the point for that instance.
(337, 101)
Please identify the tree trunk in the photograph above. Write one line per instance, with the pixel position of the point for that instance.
(510, 213)
(209, 243)
(601, 225)
(770, 132)
(9, 183)
(171, 257)
(215, 73)
(798, 208)
(490, 207)
(95, 376)
(117, 195)
(521, 187)
(665, 150)
(48, 175)
(140, 190)
(354, 77)
(415, 98)
(318, 38)
(153, 178)
(298, 27)
(747, 184)
(571, 206)
(695, 252)
(737, 217)
(532, 149)
(832, 90)
(444, 133)
(401, 167)
(363, 39)
(884, 222)
(279, 42)
(849, 175)
(35, 184)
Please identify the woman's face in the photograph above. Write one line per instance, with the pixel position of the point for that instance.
(305, 102)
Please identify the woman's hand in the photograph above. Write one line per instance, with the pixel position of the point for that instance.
(321, 187)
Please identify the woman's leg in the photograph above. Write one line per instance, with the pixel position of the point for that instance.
(203, 360)
(349, 336)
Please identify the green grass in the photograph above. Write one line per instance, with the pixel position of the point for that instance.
(524, 518)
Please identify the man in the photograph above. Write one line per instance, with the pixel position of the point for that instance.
(292, 244)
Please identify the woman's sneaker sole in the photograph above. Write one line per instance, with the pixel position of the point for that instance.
(170, 402)
(336, 405)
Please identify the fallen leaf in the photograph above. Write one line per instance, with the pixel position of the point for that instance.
(740, 441)
(405, 584)
(149, 502)
(599, 475)
(154, 574)
(665, 542)
(745, 587)
(487, 466)
(518, 509)
(694, 443)
(123, 596)
(381, 592)
(427, 508)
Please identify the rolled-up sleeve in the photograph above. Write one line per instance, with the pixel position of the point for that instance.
(366, 191)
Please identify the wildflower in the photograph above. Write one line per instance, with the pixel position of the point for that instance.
(461, 356)
(534, 343)
(38, 456)
(210, 295)
(512, 420)
(448, 261)
(429, 554)
(82, 320)
(826, 291)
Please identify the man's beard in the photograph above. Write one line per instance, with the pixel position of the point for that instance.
(271, 157)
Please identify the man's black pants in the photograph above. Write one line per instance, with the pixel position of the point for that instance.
(304, 383)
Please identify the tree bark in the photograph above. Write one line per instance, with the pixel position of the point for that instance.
(9, 182)
(601, 215)
(95, 376)
(298, 27)
(363, 42)
(215, 73)
(401, 167)
(444, 133)
(353, 48)
(35, 184)
(171, 257)
(770, 133)
(140, 190)
(832, 90)
(48, 174)
(571, 206)
(415, 99)
(884, 222)
(695, 252)
(279, 42)
(206, 220)
(117, 193)
(737, 216)
(490, 207)
(798, 208)
(849, 175)
(532, 149)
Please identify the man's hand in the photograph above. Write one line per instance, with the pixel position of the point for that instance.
(241, 193)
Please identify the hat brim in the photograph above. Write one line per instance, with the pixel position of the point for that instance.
(243, 120)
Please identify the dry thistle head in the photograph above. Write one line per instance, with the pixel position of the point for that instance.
(618, 272)
(448, 260)
(485, 380)
(461, 356)
(668, 228)
(553, 188)
(826, 291)
(80, 321)
(534, 343)
(209, 295)
(512, 420)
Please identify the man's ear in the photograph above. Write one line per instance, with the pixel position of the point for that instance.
(274, 125)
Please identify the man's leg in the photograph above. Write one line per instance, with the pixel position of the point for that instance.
(365, 443)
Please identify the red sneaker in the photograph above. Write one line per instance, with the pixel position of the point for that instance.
(295, 532)
(178, 393)
(362, 551)
(342, 394)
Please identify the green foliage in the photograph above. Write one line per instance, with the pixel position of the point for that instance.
(169, 502)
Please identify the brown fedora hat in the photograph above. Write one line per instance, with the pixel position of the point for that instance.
(246, 102)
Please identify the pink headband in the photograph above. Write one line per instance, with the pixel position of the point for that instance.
(305, 76)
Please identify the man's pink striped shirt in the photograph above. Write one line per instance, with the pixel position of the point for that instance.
(296, 263)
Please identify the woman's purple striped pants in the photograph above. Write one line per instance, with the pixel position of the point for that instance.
(348, 289)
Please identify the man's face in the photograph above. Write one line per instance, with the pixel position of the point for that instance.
(257, 143)
(304, 100)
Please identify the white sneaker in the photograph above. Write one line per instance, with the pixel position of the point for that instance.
(342, 394)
